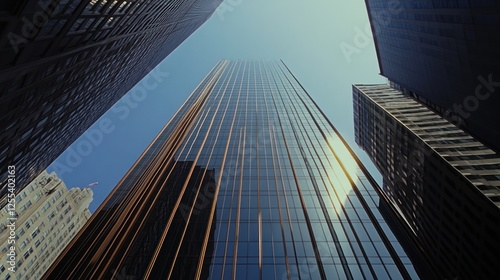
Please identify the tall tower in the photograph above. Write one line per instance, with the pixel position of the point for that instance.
(445, 183)
(445, 54)
(47, 216)
(248, 180)
(64, 63)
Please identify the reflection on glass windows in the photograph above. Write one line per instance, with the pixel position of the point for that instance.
(248, 180)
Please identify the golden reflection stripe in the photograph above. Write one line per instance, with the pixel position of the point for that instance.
(238, 211)
(134, 196)
(176, 138)
(241, 140)
(159, 167)
(230, 215)
(205, 93)
(216, 196)
(197, 129)
(226, 243)
(194, 202)
(282, 181)
(223, 92)
(79, 235)
(227, 82)
(275, 168)
(140, 197)
(211, 153)
(110, 223)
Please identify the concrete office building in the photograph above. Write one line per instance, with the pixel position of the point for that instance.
(48, 217)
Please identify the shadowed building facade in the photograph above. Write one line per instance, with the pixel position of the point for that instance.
(253, 182)
(445, 183)
(64, 63)
(444, 54)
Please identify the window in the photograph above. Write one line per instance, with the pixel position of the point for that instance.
(27, 253)
(45, 207)
(44, 246)
(51, 215)
(35, 233)
(62, 204)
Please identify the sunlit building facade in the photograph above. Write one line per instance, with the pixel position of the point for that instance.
(445, 54)
(445, 183)
(48, 217)
(64, 63)
(254, 182)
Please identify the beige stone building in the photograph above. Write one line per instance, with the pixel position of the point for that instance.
(48, 217)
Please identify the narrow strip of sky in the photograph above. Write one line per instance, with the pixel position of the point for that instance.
(325, 43)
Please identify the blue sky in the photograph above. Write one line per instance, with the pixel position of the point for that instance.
(326, 44)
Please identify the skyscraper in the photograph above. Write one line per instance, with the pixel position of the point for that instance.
(248, 180)
(48, 217)
(445, 183)
(445, 54)
(64, 63)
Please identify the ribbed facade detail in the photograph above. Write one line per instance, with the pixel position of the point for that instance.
(445, 183)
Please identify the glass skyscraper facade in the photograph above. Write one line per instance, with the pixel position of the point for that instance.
(63, 63)
(445, 183)
(248, 180)
(445, 54)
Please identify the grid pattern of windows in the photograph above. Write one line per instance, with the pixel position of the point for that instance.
(43, 230)
(443, 181)
(78, 58)
(248, 180)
